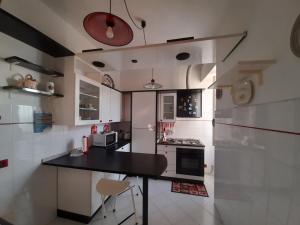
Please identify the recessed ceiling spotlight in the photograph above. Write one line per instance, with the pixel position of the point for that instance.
(98, 64)
(183, 56)
(134, 61)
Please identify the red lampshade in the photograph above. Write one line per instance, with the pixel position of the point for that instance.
(96, 25)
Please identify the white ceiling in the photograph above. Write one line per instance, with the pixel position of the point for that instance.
(167, 19)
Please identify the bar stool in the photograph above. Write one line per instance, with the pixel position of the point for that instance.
(107, 187)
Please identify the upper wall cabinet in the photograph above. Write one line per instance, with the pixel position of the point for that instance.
(167, 112)
(110, 105)
(81, 104)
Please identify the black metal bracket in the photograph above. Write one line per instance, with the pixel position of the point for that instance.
(245, 34)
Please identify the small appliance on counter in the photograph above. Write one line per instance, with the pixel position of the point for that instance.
(105, 139)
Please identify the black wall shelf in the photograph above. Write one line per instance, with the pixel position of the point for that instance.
(32, 91)
(29, 65)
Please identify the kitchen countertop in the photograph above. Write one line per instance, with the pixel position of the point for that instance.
(160, 142)
(119, 144)
(132, 164)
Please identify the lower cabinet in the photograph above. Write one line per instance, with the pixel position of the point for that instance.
(77, 189)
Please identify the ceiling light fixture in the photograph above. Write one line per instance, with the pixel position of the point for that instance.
(152, 84)
(107, 28)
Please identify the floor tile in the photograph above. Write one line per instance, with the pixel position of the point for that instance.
(165, 207)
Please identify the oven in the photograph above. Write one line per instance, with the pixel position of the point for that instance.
(190, 161)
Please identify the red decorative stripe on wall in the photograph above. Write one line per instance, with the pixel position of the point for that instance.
(259, 128)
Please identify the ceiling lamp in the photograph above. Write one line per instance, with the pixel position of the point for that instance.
(152, 85)
(107, 28)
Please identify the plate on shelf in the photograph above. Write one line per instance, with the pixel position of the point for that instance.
(242, 92)
(108, 81)
(295, 37)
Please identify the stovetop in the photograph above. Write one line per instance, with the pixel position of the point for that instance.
(182, 141)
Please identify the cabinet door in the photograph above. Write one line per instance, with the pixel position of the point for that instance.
(168, 107)
(87, 107)
(115, 105)
(105, 105)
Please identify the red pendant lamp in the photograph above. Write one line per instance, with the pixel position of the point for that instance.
(107, 28)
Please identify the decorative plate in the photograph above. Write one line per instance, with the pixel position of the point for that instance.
(242, 92)
(108, 81)
(295, 38)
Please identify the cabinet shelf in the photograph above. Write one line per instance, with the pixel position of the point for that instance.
(32, 91)
(88, 109)
(29, 65)
(243, 70)
(88, 95)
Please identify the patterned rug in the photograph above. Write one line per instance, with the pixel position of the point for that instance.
(189, 188)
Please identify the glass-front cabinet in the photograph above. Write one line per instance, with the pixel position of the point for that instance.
(87, 101)
(167, 107)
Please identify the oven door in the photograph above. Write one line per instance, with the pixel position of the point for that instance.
(190, 161)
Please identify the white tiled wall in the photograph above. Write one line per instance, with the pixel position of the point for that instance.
(257, 171)
(28, 190)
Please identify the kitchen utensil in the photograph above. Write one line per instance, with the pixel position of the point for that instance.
(29, 82)
(295, 38)
(50, 87)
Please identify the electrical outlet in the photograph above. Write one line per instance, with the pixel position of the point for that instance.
(3, 163)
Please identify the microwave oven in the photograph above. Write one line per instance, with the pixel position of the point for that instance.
(105, 139)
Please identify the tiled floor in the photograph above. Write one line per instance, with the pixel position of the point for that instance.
(165, 208)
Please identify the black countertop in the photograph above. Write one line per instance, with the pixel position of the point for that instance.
(119, 144)
(133, 164)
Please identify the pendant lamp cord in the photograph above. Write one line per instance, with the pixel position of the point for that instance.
(152, 73)
(109, 6)
(137, 26)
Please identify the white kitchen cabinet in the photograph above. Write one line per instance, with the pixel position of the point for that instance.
(115, 105)
(167, 107)
(77, 188)
(82, 91)
(105, 104)
(111, 105)
(77, 191)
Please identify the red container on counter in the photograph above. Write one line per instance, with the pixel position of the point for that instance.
(94, 129)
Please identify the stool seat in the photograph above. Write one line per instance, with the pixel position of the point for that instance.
(109, 187)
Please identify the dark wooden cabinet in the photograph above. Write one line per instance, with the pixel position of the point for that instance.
(189, 103)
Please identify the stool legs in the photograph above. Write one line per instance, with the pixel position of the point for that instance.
(103, 206)
(133, 204)
(115, 202)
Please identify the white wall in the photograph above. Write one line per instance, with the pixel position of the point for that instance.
(257, 171)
